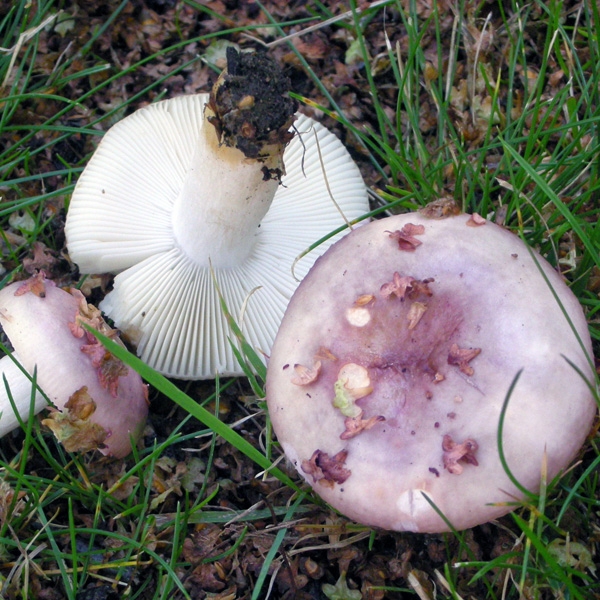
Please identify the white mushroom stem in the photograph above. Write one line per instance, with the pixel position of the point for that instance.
(225, 196)
(20, 387)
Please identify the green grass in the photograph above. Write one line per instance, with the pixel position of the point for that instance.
(512, 147)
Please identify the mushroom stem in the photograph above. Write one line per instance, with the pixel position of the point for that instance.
(238, 161)
(20, 387)
(225, 196)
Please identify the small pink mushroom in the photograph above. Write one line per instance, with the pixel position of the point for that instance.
(100, 402)
(404, 409)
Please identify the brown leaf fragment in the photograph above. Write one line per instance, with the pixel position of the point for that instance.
(420, 287)
(455, 453)
(36, 285)
(326, 469)
(460, 357)
(9, 505)
(312, 47)
(72, 426)
(43, 259)
(440, 209)
(81, 405)
(356, 425)
(91, 316)
(305, 375)
(416, 311)
(208, 577)
(476, 220)
(109, 371)
(324, 353)
(397, 287)
(109, 367)
(403, 286)
(406, 236)
(555, 78)
(364, 299)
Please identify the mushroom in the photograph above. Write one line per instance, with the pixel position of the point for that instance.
(388, 377)
(189, 197)
(101, 403)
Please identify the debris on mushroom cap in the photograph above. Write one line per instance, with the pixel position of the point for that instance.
(305, 375)
(396, 287)
(476, 220)
(166, 164)
(100, 402)
(73, 427)
(356, 425)
(461, 357)
(438, 362)
(417, 309)
(353, 383)
(327, 470)
(406, 236)
(455, 453)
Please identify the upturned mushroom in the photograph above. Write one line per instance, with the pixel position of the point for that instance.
(196, 194)
(388, 376)
(99, 403)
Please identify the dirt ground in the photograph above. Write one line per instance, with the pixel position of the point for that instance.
(321, 545)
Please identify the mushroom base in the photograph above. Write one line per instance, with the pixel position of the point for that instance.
(250, 106)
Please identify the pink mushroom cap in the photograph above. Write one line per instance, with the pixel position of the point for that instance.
(43, 323)
(387, 378)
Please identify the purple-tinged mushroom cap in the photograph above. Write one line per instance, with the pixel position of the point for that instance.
(101, 403)
(388, 375)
